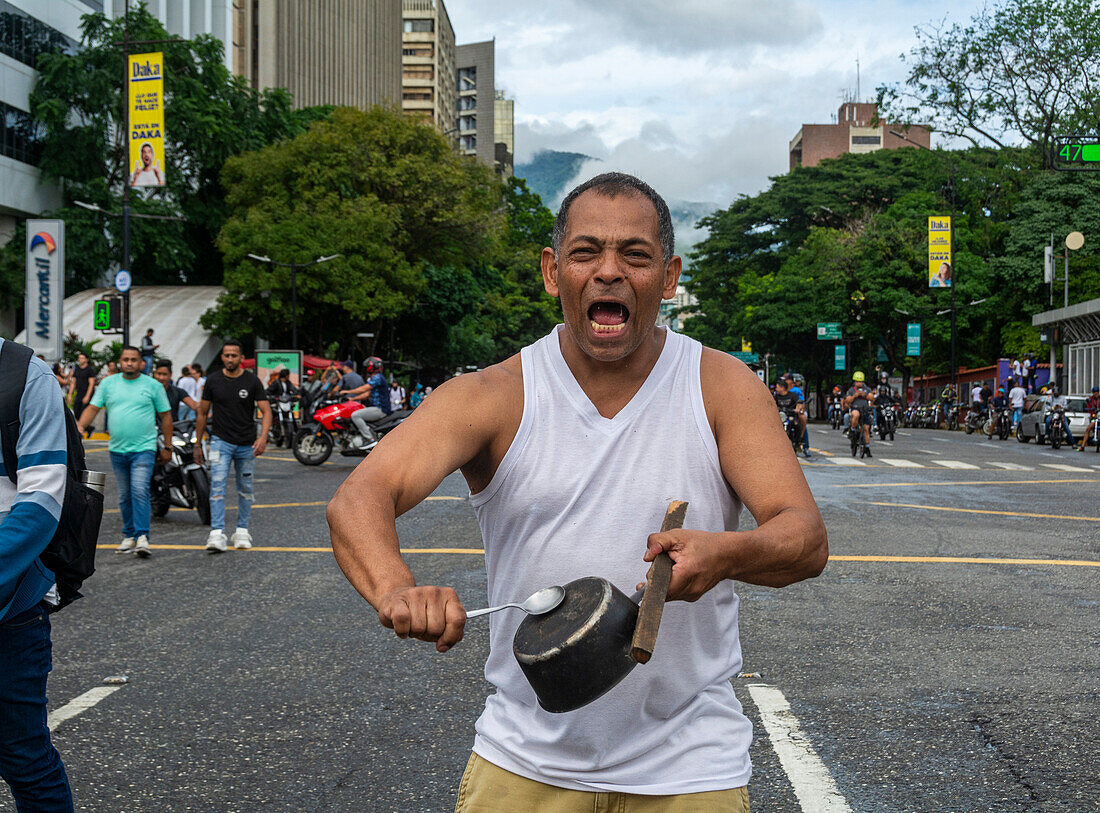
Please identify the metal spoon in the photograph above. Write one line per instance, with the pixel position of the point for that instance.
(542, 601)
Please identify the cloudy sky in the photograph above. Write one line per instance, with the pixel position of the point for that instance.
(699, 97)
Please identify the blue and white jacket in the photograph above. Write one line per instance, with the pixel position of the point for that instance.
(29, 510)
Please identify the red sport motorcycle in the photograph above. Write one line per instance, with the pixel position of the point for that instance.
(331, 428)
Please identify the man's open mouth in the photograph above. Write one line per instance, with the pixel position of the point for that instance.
(608, 317)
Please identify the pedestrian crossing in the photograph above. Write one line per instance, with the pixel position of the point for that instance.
(905, 463)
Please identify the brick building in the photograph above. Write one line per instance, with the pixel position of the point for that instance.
(852, 132)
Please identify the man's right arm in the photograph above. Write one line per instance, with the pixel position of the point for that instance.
(463, 426)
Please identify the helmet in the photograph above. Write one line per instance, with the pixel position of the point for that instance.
(373, 365)
(858, 376)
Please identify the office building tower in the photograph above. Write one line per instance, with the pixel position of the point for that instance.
(504, 134)
(428, 63)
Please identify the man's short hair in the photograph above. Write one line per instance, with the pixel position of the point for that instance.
(783, 382)
(150, 330)
(163, 363)
(126, 347)
(233, 343)
(610, 185)
(196, 367)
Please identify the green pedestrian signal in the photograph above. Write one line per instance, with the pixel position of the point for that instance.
(107, 314)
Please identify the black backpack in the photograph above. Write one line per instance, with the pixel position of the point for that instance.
(70, 555)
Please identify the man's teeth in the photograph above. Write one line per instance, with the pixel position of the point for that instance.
(606, 328)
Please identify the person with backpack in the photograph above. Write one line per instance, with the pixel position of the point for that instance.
(30, 507)
(136, 402)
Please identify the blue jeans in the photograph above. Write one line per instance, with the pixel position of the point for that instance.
(148, 364)
(28, 761)
(1017, 413)
(222, 454)
(134, 472)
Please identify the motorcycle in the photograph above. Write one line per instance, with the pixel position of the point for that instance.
(331, 428)
(975, 420)
(181, 481)
(1057, 434)
(793, 429)
(836, 411)
(999, 423)
(284, 426)
(951, 418)
(888, 421)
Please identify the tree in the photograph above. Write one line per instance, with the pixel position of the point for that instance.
(386, 193)
(76, 106)
(1022, 71)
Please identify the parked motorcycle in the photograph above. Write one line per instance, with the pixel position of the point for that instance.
(975, 420)
(181, 481)
(331, 427)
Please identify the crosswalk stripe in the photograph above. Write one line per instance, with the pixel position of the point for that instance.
(954, 464)
(1096, 467)
(1062, 467)
(902, 464)
(1009, 466)
(846, 461)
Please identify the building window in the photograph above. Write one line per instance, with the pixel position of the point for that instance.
(424, 95)
(467, 78)
(420, 50)
(419, 26)
(19, 135)
(467, 102)
(467, 122)
(24, 37)
(866, 139)
(467, 142)
(418, 72)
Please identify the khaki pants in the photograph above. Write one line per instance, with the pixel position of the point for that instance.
(486, 788)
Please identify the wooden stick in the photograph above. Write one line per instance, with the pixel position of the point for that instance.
(656, 590)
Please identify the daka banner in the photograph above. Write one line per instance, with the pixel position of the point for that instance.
(939, 252)
(45, 287)
(145, 83)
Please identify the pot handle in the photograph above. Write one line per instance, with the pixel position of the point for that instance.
(656, 589)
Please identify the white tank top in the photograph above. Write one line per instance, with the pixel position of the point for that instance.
(577, 495)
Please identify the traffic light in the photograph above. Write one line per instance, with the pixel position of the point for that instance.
(107, 315)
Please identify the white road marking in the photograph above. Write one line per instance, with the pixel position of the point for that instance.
(1096, 467)
(954, 464)
(79, 704)
(927, 451)
(940, 440)
(1062, 467)
(1010, 466)
(811, 781)
(846, 461)
(902, 464)
(907, 434)
(822, 431)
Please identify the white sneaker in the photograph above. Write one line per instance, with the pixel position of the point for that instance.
(242, 539)
(142, 548)
(215, 543)
(127, 545)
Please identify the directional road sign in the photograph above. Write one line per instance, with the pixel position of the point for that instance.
(828, 330)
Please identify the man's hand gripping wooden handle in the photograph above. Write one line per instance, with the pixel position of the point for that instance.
(656, 589)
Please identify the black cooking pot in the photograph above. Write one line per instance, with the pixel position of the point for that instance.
(581, 649)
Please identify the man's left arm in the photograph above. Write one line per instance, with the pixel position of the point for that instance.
(789, 543)
(260, 445)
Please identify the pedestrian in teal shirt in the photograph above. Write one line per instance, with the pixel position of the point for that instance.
(135, 401)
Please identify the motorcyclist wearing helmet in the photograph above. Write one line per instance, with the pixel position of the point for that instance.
(1058, 403)
(859, 400)
(375, 395)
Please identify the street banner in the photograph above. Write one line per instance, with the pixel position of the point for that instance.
(270, 362)
(939, 252)
(912, 339)
(840, 360)
(145, 84)
(45, 297)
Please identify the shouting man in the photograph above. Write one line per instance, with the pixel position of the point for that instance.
(572, 450)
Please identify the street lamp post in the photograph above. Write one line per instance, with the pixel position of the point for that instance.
(293, 266)
(954, 265)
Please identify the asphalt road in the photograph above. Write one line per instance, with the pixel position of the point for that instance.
(259, 681)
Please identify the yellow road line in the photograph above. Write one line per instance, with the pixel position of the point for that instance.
(821, 451)
(282, 505)
(983, 511)
(963, 483)
(966, 560)
(950, 560)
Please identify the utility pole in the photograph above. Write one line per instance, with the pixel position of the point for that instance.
(293, 266)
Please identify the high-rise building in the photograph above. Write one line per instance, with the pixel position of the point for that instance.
(28, 28)
(855, 131)
(428, 63)
(323, 52)
(504, 133)
(188, 18)
(476, 98)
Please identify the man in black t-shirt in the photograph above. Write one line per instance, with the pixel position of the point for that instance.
(176, 395)
(791, 405)
(235, 394)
